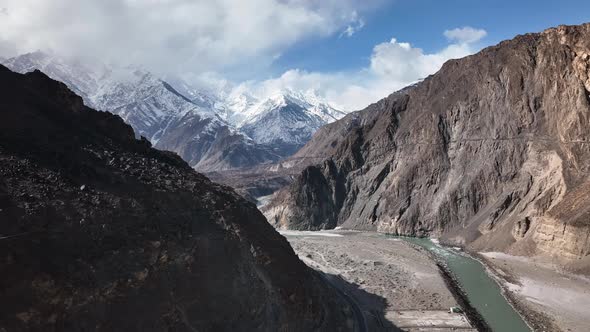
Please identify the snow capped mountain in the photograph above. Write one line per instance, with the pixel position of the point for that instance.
(149, 104)
(82, 78)
(154, 109)
(237, 107)
(243, 108)
(286, 125)
(285, 120)
(316, 105)
(204, 99)
(211, 131)
(140, 98)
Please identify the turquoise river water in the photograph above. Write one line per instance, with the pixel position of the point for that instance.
(481, 289)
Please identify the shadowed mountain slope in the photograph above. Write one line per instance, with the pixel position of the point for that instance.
(101, 232)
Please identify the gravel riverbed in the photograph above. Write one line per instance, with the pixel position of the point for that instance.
(397, 286)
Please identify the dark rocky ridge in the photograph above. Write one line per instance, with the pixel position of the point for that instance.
(101, 232)
(492, 152)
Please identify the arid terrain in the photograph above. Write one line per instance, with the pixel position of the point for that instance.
(542, 292)
(396, 286)
(399, 287)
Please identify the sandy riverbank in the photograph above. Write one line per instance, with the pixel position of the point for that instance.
(551, 300)
(395, 285)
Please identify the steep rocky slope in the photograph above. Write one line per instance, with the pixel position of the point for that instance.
(491, 152)
(101, 232)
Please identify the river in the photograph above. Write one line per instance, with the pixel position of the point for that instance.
(481, 289)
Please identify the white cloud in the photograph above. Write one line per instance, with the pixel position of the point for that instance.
(465, 34)
(393, 65)
(352, 29)
(174, 35)
(356, 25)
(202, 38)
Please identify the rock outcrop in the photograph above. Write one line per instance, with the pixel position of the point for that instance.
(101, 232)
(492, 152)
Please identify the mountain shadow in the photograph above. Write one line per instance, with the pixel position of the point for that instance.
(369, 309)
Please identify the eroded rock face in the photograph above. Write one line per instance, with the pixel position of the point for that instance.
(491, 152)
(100, 232)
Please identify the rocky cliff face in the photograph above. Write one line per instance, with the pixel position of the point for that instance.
(492, 152)
(101, 232)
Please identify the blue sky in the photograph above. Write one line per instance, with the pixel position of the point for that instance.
(422, 22)
(261, 47)
(325, 62)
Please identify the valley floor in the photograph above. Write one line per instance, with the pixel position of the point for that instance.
(396, 286)
(552, 301)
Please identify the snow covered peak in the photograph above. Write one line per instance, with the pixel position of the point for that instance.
(110, 87)
(308, 100)
(236, 105)
(287, 118)
(277, 100)
(241, 107)
(79, 76)
(204, 125)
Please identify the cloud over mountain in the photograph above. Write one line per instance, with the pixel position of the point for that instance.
(216, 45)
(392, 66)
(178, 35)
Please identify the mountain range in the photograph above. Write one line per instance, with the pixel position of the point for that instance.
(212, 132)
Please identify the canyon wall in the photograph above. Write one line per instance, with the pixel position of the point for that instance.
(492, 152)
